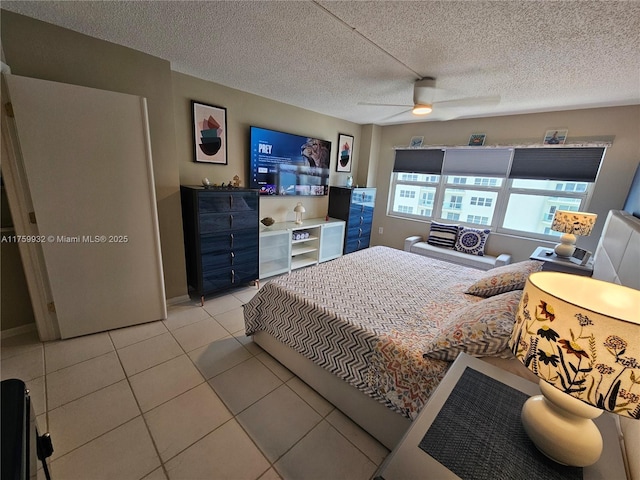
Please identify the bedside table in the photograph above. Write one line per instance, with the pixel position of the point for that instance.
(555, 263)
(471, 429)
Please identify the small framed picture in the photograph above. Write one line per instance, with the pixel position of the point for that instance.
(477, 139)
(345, 153)
(416, 142)
(209, 133)
(555, 137)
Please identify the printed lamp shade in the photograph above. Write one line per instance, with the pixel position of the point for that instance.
(571, 224)
(576, 223)
(581, 337)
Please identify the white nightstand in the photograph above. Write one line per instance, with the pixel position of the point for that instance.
(468, 380)
(554, 263)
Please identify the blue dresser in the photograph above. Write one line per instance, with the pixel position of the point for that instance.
(221, 237)
(354, 206)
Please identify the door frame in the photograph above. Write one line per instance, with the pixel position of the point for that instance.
(21, 206)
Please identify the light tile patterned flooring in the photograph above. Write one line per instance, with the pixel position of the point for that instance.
(187, 398)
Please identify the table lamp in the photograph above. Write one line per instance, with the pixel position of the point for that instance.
(299, 210)
(571, 224)
(581, 337)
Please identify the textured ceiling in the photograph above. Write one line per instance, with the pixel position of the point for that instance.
(328, 56)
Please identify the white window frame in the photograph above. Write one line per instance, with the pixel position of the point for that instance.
(584, 197)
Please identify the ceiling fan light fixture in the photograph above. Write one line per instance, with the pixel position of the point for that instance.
(422, 109)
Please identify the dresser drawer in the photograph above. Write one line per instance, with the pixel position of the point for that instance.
(227, 277)
(220, 222)
(358, 231)
(225, 242)
(357, 243)
(360, 219)
(222, 202)
(213, 261)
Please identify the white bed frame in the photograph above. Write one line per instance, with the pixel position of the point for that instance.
(616, 260)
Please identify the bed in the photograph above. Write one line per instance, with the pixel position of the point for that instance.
(375, 331)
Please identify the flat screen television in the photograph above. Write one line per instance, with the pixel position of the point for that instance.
(287, 164)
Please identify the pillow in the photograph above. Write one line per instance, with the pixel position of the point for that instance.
(471, 240)
(442, 235)
(482, 328)
(504, 279)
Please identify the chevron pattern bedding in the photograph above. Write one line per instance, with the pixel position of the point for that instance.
(368, 317)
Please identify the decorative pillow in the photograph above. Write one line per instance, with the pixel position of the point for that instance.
(442, 235)
(504, 279)
(481, 329)
(471, 240)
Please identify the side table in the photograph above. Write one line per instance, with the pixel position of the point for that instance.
(447, 441)
(554, 263)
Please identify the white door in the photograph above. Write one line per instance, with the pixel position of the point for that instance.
(87, 159)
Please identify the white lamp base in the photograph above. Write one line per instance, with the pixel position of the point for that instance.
(560, 426)
(567, 245)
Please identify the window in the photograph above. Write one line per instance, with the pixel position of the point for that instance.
(478, 219)
(510, 190)
(405, 209)
(455, 201)
(539, 200)
(407, 194)
(481, 201)
(486, 182)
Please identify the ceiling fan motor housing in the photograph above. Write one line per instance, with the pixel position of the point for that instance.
(422, 84)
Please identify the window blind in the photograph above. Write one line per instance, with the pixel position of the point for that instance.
(568, 164)
(477, 163)
(418, 161)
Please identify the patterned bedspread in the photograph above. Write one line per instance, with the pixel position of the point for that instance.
(366, 317)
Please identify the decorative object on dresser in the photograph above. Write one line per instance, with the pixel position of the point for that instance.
(582, 338)
(299, 210)
(267, 221)
(221, 228)
(571, 224)
(355, 206)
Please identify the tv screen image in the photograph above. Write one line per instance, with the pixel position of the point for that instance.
(287, 164)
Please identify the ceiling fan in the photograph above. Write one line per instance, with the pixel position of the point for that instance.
(424, 91)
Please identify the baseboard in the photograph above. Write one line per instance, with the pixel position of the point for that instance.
(178, 300)
(12, 332)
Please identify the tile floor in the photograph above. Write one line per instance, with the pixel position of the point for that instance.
(187, 398)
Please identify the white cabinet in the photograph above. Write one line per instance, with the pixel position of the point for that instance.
(275, 251)
(288, 246)
(331, 240)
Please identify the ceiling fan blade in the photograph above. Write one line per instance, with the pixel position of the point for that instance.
(385, 119)
(469, 102)
(384, 104)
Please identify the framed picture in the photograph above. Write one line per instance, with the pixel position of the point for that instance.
(477, 139)
(416, 142)
(209, 133)
(345, 153)
(555, 137)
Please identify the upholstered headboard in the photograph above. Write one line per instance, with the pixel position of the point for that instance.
(617, 257)
(617, 260)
